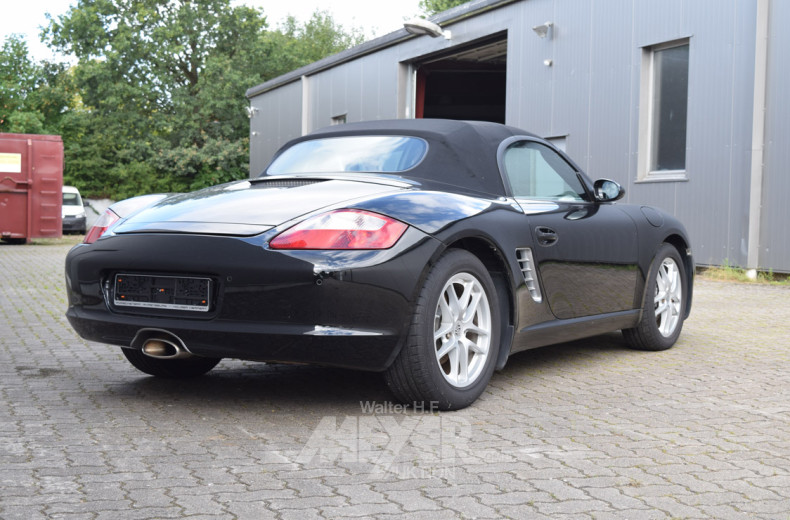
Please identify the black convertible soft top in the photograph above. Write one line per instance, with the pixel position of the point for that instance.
(460, 153)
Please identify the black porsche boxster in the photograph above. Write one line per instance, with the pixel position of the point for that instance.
(429, 250)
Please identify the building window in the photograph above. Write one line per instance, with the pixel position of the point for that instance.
(339, 120)
(664, 111)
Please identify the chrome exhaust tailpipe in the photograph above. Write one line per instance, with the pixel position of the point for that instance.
(164, 349)
(161, 347)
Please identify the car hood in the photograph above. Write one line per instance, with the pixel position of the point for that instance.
(248, 208)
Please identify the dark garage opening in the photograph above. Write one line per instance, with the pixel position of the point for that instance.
(470, 83)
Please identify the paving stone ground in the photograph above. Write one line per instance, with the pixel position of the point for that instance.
(583, 430)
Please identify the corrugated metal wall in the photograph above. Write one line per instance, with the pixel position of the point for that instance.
(591, 94)
(366, 88)
(277, 118)
(775, 236)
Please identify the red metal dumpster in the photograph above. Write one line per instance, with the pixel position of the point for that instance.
(31, 183)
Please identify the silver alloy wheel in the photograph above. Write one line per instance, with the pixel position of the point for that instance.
(462, 330)
(668, 297)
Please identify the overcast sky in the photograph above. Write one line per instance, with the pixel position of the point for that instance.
(375, 18)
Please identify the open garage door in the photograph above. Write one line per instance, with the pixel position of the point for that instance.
(468, 83)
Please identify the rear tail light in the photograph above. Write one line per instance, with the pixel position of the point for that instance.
(107, 219)
(342, 229)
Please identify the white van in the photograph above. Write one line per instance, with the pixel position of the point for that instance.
(73, 211)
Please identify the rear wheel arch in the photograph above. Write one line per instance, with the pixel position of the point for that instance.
(453, 341)
(495, 263)
(491, 257)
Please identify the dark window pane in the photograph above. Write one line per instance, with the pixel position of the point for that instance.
(670, 102)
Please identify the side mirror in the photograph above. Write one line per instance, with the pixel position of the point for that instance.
(607, 191)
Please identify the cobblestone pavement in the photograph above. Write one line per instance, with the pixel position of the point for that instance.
(584, 430)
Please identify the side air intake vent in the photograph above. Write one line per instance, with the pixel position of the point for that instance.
(527, 264)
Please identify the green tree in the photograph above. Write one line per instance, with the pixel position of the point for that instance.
(162, 85)
(432, 7)
(144, 71)
(293, 45)
(33, 96)
(18, 76)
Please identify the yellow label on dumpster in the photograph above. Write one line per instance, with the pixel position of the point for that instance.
(11, 162)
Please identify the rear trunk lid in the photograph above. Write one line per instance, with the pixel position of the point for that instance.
(247, 208)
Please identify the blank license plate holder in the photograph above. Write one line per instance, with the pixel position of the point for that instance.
(183, 293)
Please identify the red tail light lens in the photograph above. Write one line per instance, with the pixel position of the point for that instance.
(107, 219)
(342, 229)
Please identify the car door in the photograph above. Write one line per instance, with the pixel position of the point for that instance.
(586, 252)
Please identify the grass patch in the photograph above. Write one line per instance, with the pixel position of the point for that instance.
(729, 273)
(65, 240)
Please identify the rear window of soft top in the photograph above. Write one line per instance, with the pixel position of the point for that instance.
(351, 154)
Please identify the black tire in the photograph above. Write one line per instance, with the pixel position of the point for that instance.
(418, 376)
(659, 332)
(170, 368)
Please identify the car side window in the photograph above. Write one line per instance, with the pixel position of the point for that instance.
(536, 171)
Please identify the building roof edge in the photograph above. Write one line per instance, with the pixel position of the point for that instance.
(456, 14)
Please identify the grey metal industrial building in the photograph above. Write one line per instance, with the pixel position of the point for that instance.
(684, 102)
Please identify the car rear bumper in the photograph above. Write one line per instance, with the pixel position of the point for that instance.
(339, 308)
(334, 346)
